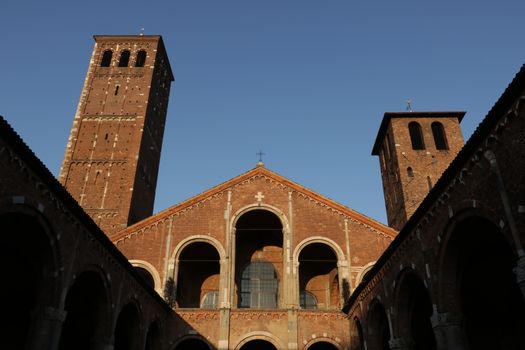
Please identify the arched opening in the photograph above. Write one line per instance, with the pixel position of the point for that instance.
(416, 136)
(356, 336)
(258, 259)
(410, 172)
(440, 138)
(124, 59)
(146, 276)
(87, 312)
(141, 58)
(198, 275)
(414, 312)
(258, 344)
(322, 345)
(127, 330)
(478, 283)
(153, 339)
(318, 275)
(106, 58)
(28, 275)
(193, 344)
(378, 330)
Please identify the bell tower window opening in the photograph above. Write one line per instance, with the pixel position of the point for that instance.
(117, 87)
(106, 58)
(124, 58)
(416, 136)
(141, 59)
(440, 138)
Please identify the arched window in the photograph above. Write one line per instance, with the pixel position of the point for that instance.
(106, 58)
(416, 136)
(410, 172)
(440, 139)
(124, 59)
(141, 59)
(210, 300)
(307, 300)
(259, 286)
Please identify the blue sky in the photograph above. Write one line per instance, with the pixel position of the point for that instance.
(305, 81)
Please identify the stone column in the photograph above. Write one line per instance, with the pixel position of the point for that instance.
(520, 274)
(46, 325)
(449, 331)
(400, 344)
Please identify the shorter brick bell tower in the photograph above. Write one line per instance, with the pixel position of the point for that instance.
(414, 149)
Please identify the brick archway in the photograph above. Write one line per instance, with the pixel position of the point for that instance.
(261, 338)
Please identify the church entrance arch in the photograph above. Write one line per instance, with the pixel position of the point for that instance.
(318, 277)
(258, 259)
(198, 276)
(477, 275)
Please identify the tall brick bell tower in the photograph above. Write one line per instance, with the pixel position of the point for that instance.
(414, 149)
(112, 157)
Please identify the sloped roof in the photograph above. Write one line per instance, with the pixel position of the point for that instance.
(257, 171)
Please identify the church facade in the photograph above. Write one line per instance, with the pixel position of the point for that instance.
(259, 261)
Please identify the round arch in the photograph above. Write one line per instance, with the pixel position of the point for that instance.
(377, 327)
(363, 272)
(192, 340)
(196, 239)
(261, 206)
(128, 325)
(323, 240)
(88, 308)
(265, 336)
(152, 271)
(475, 251)
(413, 308)
(315, 343)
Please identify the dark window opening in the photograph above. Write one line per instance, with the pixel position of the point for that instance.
(440, 139)
(106, 58)
(116, 89)
(416, 136)
(124, 59)
(141, 59)
(410, 172)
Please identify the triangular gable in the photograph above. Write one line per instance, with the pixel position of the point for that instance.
(257, 171)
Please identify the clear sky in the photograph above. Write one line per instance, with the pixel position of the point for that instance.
(305, 81)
